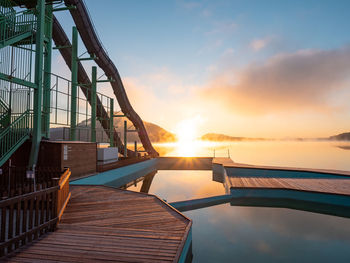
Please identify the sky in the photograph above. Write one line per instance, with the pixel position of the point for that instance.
(242, 68)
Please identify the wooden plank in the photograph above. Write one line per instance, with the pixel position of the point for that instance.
(281, 168)
(105, 224)
(332, 186)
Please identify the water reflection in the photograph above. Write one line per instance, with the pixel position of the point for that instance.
(227, 233)
(224, 234)
(179, 185)
(141, 184)
(344, 147)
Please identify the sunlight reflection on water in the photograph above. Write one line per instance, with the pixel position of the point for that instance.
(227, 233)
(308, 154)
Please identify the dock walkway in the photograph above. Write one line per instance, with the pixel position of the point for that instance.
(329, 186)
(106, 224)
(245, 176)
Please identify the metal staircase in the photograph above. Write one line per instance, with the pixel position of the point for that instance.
(17, 30)
(14, 26)
(15, 135)
(4, 114)
(29, 104)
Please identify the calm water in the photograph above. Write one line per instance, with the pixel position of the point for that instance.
(227, 233)
(312, 154)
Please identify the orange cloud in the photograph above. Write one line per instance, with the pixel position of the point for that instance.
(302, 80)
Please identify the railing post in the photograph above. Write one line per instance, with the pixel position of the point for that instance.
(47, 71)
(74, 69)
(93, 104)
(111, 124)
(135, 148)
(125, 139)
(38, 79)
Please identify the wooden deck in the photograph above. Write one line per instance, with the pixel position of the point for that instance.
(105, 224)
(273, 177)
(331, 186)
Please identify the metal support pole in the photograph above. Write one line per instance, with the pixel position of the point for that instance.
(125, 139)
(38, 79)
(74, 69)
(111, 124)
(47, 71)
(93, 103)
(135, 148)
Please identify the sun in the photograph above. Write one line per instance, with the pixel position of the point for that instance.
(187, 137)
(186, 131)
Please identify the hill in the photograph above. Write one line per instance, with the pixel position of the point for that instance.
(155, 132)
(341, 137)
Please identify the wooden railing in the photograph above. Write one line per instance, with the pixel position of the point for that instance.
(26, 217)
(14, 182)
(63, 194)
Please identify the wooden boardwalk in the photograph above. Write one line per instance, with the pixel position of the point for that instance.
(103, 224)
(273, 177)
(331, 186)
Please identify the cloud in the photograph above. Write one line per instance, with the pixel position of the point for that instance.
(306, 79)
(161, 97)
(258, 44)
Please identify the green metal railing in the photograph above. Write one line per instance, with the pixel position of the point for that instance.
(12, 137)
(15, 27)
(4, 108)
(18, 100)
(60, 110)
(6, 8)
(83, 134)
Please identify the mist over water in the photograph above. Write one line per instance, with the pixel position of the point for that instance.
(305, 154)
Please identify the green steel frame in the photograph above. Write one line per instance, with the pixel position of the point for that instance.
(29, 103)
(74, 70)
(47, 70)
(38, 80)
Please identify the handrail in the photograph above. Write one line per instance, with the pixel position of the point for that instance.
(17, 120)
(13, 200)
(6, 7)
(65, 176)
(12, 136)
(3, 111)
(63, 194)
(26, 217)
(15, 24)
(3, 103)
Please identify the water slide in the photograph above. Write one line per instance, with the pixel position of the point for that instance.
(94, 47)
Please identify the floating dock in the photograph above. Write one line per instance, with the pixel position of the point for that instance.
(316, 190)
(312, 180)
(107, 224)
